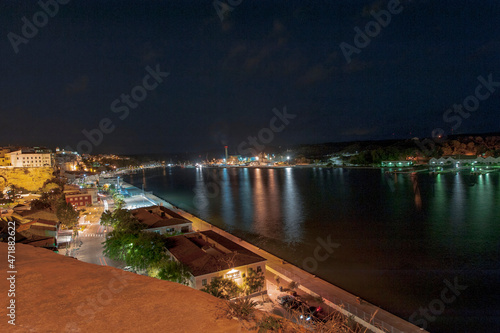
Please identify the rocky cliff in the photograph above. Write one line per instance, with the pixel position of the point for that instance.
(31, 179)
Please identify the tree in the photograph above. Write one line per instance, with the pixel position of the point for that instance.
(222, 288)
(138, 249)
(253, 281)
(107, 218)
(66, 213)
(119, 200)
(54, 180)
(170, 270)
(51, 187)
(118, 244)
(121, 220)
(39, 204)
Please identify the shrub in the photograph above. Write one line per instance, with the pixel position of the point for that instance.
(241, 308)
(270, 323)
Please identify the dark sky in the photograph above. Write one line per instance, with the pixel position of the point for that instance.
(227, 76)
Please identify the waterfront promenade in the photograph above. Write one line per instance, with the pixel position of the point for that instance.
(333, 296)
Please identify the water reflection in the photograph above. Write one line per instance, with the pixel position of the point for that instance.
(259, 201)
(416, 190)
(458, 200)
(292, 209)
(245, 198)
(274, 209)
(200, 199)
(227, 204)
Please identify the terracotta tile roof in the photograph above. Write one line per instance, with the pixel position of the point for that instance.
(40, 241)
(145, 216)
(150, 217)
(207, 252)
(169, 222)
(172, 213)
(40, 214)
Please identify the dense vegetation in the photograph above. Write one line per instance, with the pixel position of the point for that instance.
(376, 151)
(141, 250)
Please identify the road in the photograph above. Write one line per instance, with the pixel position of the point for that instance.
(89, 244)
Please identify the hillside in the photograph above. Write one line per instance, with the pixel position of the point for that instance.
(31, 179)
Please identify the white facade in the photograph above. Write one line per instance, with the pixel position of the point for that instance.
(235, 274)
(172, 229)
(22, 159)
(479, 160)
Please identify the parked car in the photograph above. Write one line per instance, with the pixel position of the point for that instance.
(315, 314)
(296, 305)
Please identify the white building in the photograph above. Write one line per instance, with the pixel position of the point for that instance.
(464, 161)
(208, 255)
(162, 220)
(32, 158)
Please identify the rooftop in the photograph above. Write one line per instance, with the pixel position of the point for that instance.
(158, 216)
(208, 252)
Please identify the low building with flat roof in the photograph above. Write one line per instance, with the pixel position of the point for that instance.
(79, 200)
(31, 158)
(397, 164)
(209, 255)
(162, 220)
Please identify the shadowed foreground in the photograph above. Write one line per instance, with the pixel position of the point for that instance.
(54, 293)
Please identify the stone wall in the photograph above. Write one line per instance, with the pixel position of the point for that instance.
(31, 179)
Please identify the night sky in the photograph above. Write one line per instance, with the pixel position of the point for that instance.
(225, 77)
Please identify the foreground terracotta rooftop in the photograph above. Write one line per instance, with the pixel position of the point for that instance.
(55, 293)
(208, 252)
